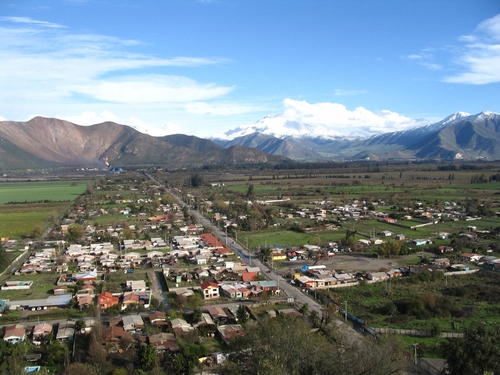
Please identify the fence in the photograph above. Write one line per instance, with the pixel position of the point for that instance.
(414, 332)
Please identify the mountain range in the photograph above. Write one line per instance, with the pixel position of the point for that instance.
(48, 142)
(458, 136)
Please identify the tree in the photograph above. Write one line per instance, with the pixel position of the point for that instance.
(148, 357)
(74, 232)
(196, 316)
(477, 352)
(242, 314)
(79, 369)
(390, 248)
(286, 345)
(4, 260)
(251, 192)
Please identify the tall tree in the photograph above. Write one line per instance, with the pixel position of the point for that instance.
(478, 352)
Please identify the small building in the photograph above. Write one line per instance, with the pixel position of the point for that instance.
(14, 334)
(157, 318)
(377, 276)
(163, 342)
(132, 323)
(230, 331)
(66, 331)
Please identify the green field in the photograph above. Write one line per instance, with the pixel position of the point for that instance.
(24, 205)
(18, 220)
(42, 287)
(21, 192)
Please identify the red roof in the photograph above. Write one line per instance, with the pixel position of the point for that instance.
(208, 284)
(249, 276)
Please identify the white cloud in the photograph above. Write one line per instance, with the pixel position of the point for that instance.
(338, 118)
(91, 118)
(151, 89)
(3, 118)
(54, 65)
(480, 57)
(30, 21)
(341, 92)
(424, 59)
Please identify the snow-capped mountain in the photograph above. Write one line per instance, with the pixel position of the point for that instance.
(276, 127)
(462, 134)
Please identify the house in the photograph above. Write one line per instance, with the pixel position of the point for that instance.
(201, 260)
(386, 233)
(468, 257)
(217, 313)
(66, 331)
(420, 242)
(180, 326)
(113, 334)
(163, 342)
(41, 330)
(136, 298)
(229, 331)
(85, 301)
(210, 290)
(432, 366)
(249, 276)
(400, 237)
(157, 318)
(131, 323)
(106, 300)
(377, 276)
(230, 291)
(442, 262)
(14, 334)
(136, 285)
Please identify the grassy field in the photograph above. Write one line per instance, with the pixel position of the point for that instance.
(24, 205)
(42, 287)
(452, 303)
(20, 192)
(18, 220)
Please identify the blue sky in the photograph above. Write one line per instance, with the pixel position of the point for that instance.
(205, 66)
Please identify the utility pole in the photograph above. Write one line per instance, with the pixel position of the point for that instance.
(345, 311)
(415, 347)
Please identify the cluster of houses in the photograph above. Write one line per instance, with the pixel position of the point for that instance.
(40, 333)
(319, 277)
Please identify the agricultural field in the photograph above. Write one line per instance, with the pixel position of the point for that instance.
(18, 220)
(37, 191)
(25, 205)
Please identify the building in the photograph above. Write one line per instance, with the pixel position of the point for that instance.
(210, 290)
(106, 300)
(14, 334)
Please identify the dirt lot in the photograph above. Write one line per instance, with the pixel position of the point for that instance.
(356, 262)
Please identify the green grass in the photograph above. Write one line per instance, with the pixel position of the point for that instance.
(42, 287)
(40, 191)
(18, 220)
(285, 238)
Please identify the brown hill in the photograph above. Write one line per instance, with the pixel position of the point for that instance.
(43, 142)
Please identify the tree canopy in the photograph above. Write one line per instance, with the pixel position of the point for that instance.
(287, 345)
